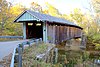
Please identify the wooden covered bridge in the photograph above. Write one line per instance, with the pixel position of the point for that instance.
(50, 29)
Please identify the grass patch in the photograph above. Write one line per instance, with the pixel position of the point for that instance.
(8, 39)
(30, 53)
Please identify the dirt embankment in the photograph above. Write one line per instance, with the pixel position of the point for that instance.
(6, 61)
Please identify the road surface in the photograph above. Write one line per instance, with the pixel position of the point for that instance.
(7, 47)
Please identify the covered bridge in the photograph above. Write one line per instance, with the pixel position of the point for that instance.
(50, 29)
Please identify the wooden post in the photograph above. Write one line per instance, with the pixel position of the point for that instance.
(83, 40)
(19, 57)
(24, 30)
(56, 55)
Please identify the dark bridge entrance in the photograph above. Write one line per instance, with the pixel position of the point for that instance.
(34, 30)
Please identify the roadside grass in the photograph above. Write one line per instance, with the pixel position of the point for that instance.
(8, 39)
(29, 55)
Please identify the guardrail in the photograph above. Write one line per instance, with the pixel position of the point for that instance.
(12, 60)
(20, 49)
(11, 36)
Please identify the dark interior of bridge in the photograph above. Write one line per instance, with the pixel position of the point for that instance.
(34, 30)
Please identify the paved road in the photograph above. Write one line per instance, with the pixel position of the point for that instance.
(7, 47)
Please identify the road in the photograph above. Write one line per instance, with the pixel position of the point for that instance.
(7, 47)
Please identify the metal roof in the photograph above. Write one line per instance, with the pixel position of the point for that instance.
(45, 17)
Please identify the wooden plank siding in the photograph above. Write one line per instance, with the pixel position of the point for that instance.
(58, 33)
(53, 36)
(57, 38)
(68, 32)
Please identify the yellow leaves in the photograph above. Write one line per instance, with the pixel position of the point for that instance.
(33, 3)
(0, 1)
(96, 1)
(36, 7)
(97, 46)
(45, 11)
(96, 5)
(16, 10)
(52, 10)
(7, 14)
(77, 11)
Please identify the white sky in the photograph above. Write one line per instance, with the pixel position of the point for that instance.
(64, 6)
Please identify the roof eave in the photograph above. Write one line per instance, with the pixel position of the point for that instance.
(19, 16)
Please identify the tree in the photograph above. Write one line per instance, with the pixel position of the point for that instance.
(51, 10)
(90, 27)
(7, 14)
(67, 17)
(4, 13)
(96, 5)
(96, 37)
(10, 27)
(77, 16)
(36, 7)
(86, 21)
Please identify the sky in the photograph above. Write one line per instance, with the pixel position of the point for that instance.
(64, 6)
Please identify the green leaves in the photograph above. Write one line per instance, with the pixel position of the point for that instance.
(7, 15)
(97, 46)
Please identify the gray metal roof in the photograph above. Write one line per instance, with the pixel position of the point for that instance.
(45, 17)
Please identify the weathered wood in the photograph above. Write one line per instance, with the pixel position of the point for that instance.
(83, 40)
(67, 32)
(48, 32)
(58, 33)
(51, 33)
(54, 34)
(70, 32)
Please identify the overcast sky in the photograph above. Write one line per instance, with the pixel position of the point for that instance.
(64, 6)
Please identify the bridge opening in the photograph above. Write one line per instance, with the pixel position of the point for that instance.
(34, 29)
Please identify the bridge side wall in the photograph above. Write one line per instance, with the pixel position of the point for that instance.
(60, 33)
